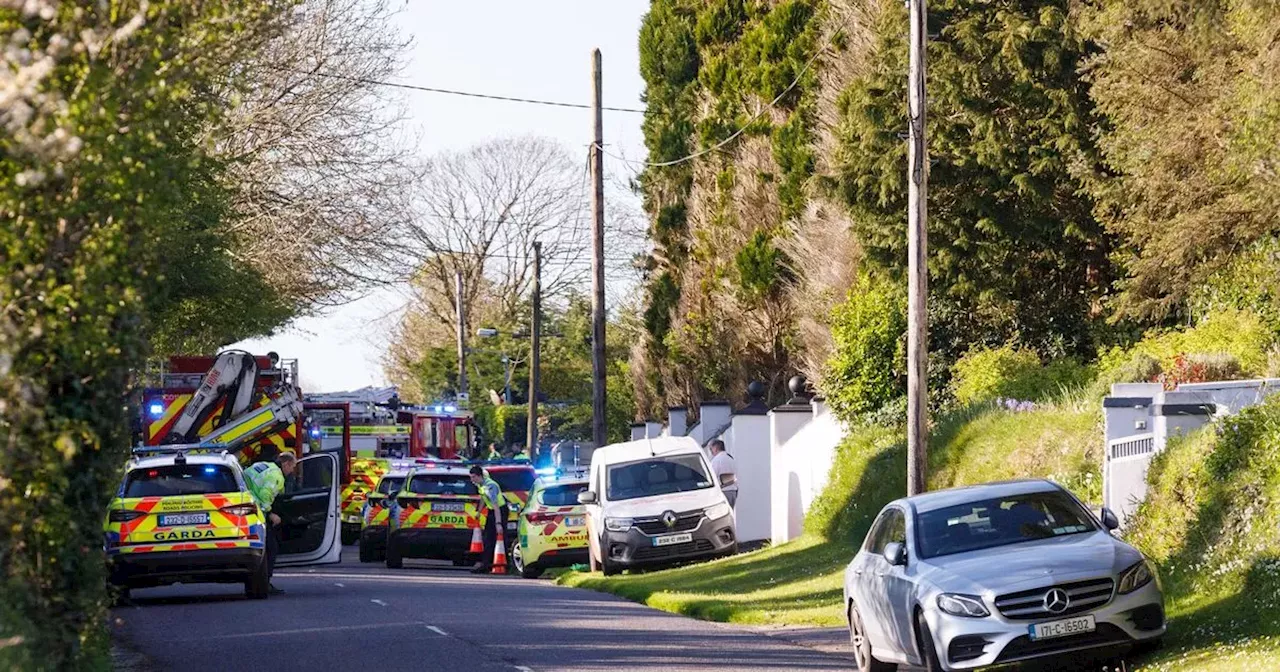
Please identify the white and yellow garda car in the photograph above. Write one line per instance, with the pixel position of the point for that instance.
(552, 530)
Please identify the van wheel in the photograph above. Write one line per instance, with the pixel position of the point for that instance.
(394, 561)
(258, 585)
(610, 568)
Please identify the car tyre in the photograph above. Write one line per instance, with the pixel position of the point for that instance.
(862, 646)
(530, 571)
(928, 651)
(394, 560)
(259, 584)
(610, 568)
(460, 562)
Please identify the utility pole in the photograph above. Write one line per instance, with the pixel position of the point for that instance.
(598, 430)
(462, 337)
(917, 258)
(535, 348)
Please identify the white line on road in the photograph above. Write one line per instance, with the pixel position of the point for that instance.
(523, 668)
(302, 631)
(379, 602)
(340, 585)
(438, 631)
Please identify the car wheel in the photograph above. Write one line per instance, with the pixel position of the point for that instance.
(460, 562)
(394, 561)
(928, 651)
(862, 646)
(610, 568)
(259, 585)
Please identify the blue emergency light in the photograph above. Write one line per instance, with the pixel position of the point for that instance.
(450, 409)
(439, 409)
(546, 471)
(210, 470)
(156, 409)
(315, 431)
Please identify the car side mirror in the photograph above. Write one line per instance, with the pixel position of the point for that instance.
(587, 497)
(1109, 520)
(895, 553)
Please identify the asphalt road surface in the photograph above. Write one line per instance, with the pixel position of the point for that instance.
(429, 616)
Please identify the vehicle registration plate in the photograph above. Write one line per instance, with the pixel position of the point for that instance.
(175, 519)
(672, 539)
(575, 521)
(1063, 628)
(452, 507)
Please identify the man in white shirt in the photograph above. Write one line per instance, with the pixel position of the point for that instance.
(725, 470)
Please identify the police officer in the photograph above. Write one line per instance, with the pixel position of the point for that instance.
(265, 481)
(493, 501)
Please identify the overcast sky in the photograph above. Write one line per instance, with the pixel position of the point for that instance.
(506, 47)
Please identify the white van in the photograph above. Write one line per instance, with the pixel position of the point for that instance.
(653, 502)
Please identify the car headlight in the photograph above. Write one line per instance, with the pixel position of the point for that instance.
(719, 511)
(618, 524)
(1135, 577)
(956, 604)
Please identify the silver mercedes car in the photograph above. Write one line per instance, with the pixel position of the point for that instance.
(992, 574)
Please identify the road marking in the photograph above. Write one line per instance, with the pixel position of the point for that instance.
(379, 602)
(340, 585)
(438, 631)
(523, 668)
(303, 631)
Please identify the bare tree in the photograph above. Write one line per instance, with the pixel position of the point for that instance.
(319, 175)
(478, 213)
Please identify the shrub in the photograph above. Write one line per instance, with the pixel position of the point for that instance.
(864, 371)
(983, 374)
(1238, 333)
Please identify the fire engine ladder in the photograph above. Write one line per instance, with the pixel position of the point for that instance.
(232, 379)
(283, 409)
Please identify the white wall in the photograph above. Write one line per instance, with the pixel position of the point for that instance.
(747, 440)
(804, 448)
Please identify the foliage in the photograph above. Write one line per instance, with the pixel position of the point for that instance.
(101, 171)
(869, 329)
(983, 374)
(1209, 521)
(761, 267)
(1249, 282)
(1014, 248)
(1190, 109)
(1238, 333)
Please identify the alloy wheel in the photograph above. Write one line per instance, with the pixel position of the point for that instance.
(858, 639)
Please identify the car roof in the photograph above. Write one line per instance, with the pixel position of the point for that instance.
(941, 499)
(165, 460)
(661, 446)
(440, 470)
(563, 479)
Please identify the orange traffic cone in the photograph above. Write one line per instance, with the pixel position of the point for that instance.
(477, 543)
(500, 554)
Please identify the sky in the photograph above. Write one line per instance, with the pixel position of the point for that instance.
(510, 48)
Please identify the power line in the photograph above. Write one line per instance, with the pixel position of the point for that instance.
(472, 94)
(734, 136)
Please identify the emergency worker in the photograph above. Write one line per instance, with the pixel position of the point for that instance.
(493, 453)
(496, 504)
(265, 481)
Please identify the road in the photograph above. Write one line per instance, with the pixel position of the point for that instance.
(430, 616)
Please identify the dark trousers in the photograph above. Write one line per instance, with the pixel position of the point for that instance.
(491, 535)
(273, 546)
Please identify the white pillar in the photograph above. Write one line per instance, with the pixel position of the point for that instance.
(652, 429)
(787, 508)
(637, 431)
(676, 421)
(747, 440)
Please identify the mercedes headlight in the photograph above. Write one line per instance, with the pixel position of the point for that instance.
(618, 524)
(956, 604)
(719, 511)
(1135, 577)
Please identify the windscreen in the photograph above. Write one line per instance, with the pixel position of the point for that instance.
(180, 479)
(657, 476)
(441, 484)
(386, 485)
(513, 480)
(1000, 522)
(562, 495)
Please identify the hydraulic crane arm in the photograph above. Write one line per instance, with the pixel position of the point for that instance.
(284, 409)
(233, 377)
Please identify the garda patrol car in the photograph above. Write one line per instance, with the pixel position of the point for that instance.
(435, 511)
(377, 513)
(186, 516)
(552, 527)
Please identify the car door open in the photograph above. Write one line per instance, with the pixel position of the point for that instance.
(308, 510)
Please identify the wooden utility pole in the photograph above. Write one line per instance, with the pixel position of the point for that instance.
(535, 351)
(462, 336)
(917, 258)
(598, 429)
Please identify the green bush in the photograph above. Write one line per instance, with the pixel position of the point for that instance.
(1241, 334)
(864, 371)
(1209, 522)
(983, 374)
(1250, 282)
